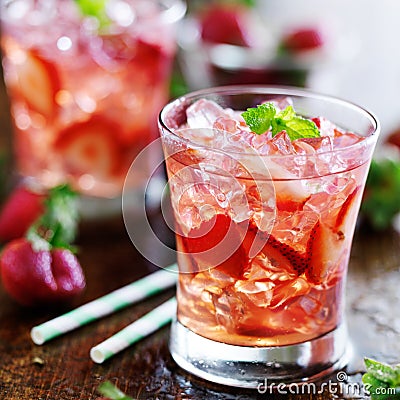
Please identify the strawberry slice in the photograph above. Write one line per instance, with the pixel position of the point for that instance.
(345, 209)
(225, 24)
(216, 243)
(39, 83)
(325, 254)
(90, 147)
(19, 211)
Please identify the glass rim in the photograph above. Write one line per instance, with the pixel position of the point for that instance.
(280, 90)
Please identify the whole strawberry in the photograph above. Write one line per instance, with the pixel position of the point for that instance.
(40, 276)
(302, 39)
(40, 268)
(226, 23)
(18, 213)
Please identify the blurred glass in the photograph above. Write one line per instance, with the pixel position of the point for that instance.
(86, 84)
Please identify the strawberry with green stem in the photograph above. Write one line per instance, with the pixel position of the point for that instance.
(41, 268)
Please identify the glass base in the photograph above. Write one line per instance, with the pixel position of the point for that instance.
(255, 367)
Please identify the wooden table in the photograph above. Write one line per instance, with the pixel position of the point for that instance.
(62, 370)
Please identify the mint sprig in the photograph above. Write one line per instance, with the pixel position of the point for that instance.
(381, 380)
(58, 225)
(96, 9)
(267, 117)
(109, 390)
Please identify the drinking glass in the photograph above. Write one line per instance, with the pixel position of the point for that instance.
(86, 85)
(263, 239)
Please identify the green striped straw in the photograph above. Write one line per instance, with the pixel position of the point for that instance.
(105, 305)
(134, 332)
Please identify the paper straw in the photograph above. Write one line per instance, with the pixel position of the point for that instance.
(134, 332)
(105, 305)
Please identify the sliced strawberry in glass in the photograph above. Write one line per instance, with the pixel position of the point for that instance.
(90, 147)
(216, 243)
(39, 83)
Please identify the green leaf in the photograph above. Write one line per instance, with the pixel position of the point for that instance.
(259, 119)
(247, 3)
(383, 372)
(94, 8)
(109, 390)
(374, 387)
(59, 223)
(381, 200)
(265, 117)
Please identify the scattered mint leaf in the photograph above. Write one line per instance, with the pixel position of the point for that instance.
(383, 372)
(94, 8)
(381, 380)
(265, 116)
(59, 223)
(259, 119)
(109, 390)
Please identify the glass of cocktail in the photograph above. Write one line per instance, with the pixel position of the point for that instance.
(86, 81)
(265, 205)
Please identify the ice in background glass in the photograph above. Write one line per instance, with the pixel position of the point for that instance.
(264, 231)
(85, 91)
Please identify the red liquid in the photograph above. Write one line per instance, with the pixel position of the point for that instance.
(290, 288)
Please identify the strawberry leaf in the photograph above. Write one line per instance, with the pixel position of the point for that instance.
(265, 117)
(58, 224)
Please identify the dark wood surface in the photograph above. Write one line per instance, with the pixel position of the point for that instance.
(62, 370)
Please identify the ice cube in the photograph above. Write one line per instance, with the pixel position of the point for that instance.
(261, 269)
(256, 292)
(294, 228)
(203, 114)
(226, 124)
(286, 291)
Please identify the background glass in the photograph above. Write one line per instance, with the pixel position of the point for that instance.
(85, 90)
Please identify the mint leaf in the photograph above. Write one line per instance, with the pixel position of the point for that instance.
(265, 117)
(381, 381)
(94, 8)
(383, 372)
(295, 126)
(59, 223)
(259, 119)
(111, 391)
